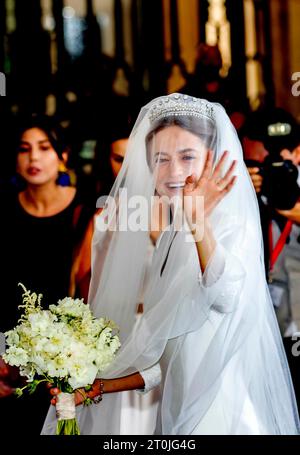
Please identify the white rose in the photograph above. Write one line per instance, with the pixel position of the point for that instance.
(83, 377)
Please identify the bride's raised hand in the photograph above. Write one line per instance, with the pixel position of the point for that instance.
(211, 186)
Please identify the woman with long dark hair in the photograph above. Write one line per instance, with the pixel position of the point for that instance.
(41, 229)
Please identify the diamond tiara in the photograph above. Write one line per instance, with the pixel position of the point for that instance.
(178, 105)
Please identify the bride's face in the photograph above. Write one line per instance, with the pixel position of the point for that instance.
(176, 153)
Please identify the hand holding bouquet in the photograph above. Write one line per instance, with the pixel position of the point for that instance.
(65, 346)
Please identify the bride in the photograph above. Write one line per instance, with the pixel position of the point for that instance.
(208, 333)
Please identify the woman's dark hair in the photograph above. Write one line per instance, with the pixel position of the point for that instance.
(203, 127)
(122, 127)
(54, 132)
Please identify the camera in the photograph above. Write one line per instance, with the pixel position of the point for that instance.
(278, 131)
(279, 181)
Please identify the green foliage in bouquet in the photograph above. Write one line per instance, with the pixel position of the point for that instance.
(64, 345)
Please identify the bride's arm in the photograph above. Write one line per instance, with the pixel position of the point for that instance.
(221, 282)
(131, 382)
(142, 382)
(222, 274)
(206, 246)
(211, 187)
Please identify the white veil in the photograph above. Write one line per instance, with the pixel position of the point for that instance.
(215, 335)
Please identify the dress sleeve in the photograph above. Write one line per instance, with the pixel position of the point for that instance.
(152, 378)
(222, 280)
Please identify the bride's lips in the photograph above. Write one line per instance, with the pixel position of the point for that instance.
(32, 170)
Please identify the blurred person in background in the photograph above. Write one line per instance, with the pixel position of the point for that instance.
(109, 156)
(271, 143)
(208, 82)
(42, 226)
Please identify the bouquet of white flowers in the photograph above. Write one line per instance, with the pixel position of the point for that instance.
(65, 346)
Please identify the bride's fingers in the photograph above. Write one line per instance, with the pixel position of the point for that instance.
(208, 167)
(229, 185)
(218, 169)
(53, 401)
(228, 176)
(223, 182)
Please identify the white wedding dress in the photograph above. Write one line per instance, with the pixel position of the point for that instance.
(218, 418)
(139, 409)
(193, 347)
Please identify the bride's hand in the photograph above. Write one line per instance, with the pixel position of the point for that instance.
(211, 186)
(80, 395)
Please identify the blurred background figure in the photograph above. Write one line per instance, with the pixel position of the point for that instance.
(77, 59)
(271, 146)
(42, 226)
(105, 164)
(271, 141)
(206, 81)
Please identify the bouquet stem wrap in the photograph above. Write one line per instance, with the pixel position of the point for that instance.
(66, 415)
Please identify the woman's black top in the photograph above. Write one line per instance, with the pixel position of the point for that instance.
(38, 253)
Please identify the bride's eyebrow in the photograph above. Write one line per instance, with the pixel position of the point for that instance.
(160, 153)
(187, 150)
